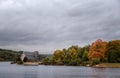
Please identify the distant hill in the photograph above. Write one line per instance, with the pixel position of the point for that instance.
(8, 55)
(42, 56)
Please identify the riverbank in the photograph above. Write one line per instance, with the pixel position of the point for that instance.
(107, 65)
(30, 63)
(101, 65)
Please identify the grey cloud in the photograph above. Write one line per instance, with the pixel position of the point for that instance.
(47, 25)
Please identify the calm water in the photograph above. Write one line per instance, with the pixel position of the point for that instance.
(18, 71)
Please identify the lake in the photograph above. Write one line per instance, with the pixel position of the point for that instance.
(8, 70)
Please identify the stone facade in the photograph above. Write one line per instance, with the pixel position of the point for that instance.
(31, 56)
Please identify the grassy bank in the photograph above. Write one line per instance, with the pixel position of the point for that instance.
(30, 63)
(108, 65)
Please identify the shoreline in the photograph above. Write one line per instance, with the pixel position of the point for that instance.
(31, 64)
(101, 65)
(107, 65)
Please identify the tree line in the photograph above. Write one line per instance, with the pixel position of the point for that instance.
(8, 55)
(99, 51)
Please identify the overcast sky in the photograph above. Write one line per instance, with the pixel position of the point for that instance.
(47, 25)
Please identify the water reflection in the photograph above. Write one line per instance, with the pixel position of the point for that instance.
(17, 71)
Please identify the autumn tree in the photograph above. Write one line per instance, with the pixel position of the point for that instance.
(58, 56)
(66, 56)
(97, 50)
(73, 53)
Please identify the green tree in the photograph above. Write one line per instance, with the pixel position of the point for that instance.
(82, 50)
(95, 61)
(58, 57)
(85, 56)
(113, 51)
(46, 61)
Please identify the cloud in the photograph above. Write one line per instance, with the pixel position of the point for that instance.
(46, 25)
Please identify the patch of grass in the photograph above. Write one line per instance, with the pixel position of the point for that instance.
(108, 65)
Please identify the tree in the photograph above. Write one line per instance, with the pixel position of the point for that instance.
(46, 61)
(67, 56)
(73, 54)
(85, 56)
(97, 50)
(82, 50)
(65, 53)
(58, 56)
(17, 58)
(113, 51)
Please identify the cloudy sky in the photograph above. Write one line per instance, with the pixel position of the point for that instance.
(47, 25)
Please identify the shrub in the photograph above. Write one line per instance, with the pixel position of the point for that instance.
(75, 62)
(95, 61)
(46, 61)
(85, 63)
(19, 62)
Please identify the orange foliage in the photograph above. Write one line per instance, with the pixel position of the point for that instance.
(97, 49)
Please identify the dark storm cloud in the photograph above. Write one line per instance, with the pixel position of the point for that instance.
(47, 25)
